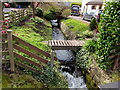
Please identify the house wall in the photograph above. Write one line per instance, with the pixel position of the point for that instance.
(86, 8)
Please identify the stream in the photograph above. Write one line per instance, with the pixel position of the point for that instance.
(73, 75)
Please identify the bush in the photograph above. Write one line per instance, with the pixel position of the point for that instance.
(109, 38)
(91, 46)
(82, 59)
(87, 34)
(39, 21)
(93, 24)
(49, 15)
(39, 12)
(53, 78)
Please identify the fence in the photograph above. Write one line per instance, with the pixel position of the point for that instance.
(15, 16)
(13, 47)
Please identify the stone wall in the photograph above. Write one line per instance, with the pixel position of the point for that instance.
(98, 75)
(68, 34)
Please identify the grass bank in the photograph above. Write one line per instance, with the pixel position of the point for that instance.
(79, 28)
(30, 33)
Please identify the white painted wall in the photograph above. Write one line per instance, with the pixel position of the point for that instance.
(89, 6)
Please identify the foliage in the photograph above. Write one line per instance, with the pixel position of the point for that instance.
(39, 12)
(107, 46)
(91, 46)
(52, 77)
(109, 38)
(66, 12)
(82, 59)
(86, 34)
(28, 34)
(38, 21)
(80, 4)
(20, 81)
(93, 24)
(49, 15)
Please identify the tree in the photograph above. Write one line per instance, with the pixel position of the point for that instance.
(34, 5)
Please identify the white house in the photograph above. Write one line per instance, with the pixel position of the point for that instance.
(91, 4)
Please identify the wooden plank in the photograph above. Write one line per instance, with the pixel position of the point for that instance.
(4, 53)
(60, 44)
(10, 49)
(55, 43)
(70, 44)
(67, 44)
(52, 42)
(30, 54)
(27, 60)
(49, 42)
(74, 43)
(31, 46)
(64, 44)
(5, 61)
(27, 67)
(4, 45)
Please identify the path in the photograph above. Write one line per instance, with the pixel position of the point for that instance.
(79, 19)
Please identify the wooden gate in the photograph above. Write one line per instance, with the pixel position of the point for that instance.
(14, 52)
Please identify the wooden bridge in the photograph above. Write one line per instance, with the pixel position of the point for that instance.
(65, 44)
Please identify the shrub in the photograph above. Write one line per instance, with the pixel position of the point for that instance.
(49, 15)
(87, 34)
(109, 38)
(39, 12)
(39, 21)
(93, 24)
(91, 46)
(82, 59)
(52, 77)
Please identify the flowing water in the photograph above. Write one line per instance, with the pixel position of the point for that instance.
(75, 80)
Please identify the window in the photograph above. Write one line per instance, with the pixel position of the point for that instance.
(93, 7)
(100, 6)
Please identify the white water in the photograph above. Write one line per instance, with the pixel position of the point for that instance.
(75, 82)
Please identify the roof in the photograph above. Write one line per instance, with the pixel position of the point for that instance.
(95, 2)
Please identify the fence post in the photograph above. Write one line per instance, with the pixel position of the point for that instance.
(10, 50)
(52, 58)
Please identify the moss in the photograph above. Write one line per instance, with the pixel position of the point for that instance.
(89, 82)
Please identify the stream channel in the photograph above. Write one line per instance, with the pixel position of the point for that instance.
(73, 75)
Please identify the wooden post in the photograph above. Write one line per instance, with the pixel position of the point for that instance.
(52, 58)
(1, 12)
(10, 50)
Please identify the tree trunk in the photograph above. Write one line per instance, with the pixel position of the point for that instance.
(33, 8)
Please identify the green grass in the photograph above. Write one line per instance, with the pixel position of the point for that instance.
(78, 27)
(28, 33)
